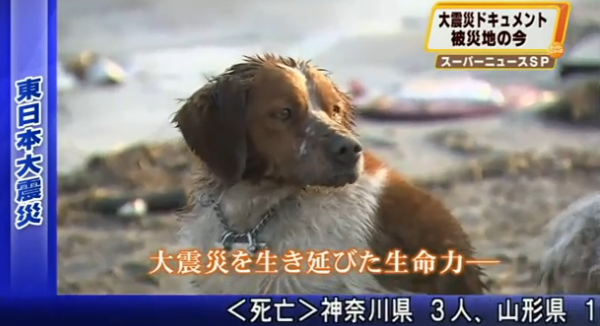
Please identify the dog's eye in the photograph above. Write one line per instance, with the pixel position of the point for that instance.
(337, 109)
(285, 114)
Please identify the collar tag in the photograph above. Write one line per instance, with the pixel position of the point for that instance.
(231, 241)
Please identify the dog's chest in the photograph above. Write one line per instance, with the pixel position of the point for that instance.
(317, 223)
(313, 222)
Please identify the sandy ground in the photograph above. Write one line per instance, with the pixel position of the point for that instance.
(168, 47)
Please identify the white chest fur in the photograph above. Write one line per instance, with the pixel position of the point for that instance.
(335, 220)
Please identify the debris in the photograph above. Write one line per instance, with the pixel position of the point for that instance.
(137, 207)
(122, 183)
(432, 99)
(579, 104)
(147, 167)
(91, 67)
(527, 163)
(443, 98)
(115, 204)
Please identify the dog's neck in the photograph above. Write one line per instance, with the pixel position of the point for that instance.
(243, 204)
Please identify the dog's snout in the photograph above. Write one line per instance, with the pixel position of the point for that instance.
(345, 150)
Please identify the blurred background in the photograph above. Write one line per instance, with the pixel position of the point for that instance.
(126, 62)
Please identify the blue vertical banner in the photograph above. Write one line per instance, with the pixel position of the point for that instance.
(5, 148)
(33, 151)
(52, 147)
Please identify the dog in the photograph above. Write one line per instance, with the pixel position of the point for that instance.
(275, 134)
(570, 263)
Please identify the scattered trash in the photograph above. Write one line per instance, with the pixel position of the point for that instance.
(118, 204)
(91, 67)
(135, 208)
(444, 98)
(137, 204)
(427, 99)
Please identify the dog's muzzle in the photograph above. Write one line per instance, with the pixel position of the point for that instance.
(345, 151)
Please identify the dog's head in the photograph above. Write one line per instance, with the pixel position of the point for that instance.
(274, 118)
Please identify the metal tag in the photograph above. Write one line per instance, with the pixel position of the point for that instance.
(249, 243)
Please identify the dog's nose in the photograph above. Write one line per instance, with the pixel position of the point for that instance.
(345, 150)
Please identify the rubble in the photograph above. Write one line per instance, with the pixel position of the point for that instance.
(578, 104)
(527, 163)
(132, 182)
(446, 98)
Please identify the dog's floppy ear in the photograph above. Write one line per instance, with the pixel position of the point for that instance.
(213, 124)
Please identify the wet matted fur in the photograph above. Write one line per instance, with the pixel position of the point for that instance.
(262, 134)
(571, 261)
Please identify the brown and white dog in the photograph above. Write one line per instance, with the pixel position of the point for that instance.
(274, 133)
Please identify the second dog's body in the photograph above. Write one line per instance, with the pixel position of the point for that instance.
(570, 263)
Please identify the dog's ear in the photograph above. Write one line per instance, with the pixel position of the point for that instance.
(213, 124)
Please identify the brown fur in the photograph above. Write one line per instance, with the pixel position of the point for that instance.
(412, 219)
(233, 127)
(241, 107)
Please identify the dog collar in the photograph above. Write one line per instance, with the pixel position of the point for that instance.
(230, 238)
